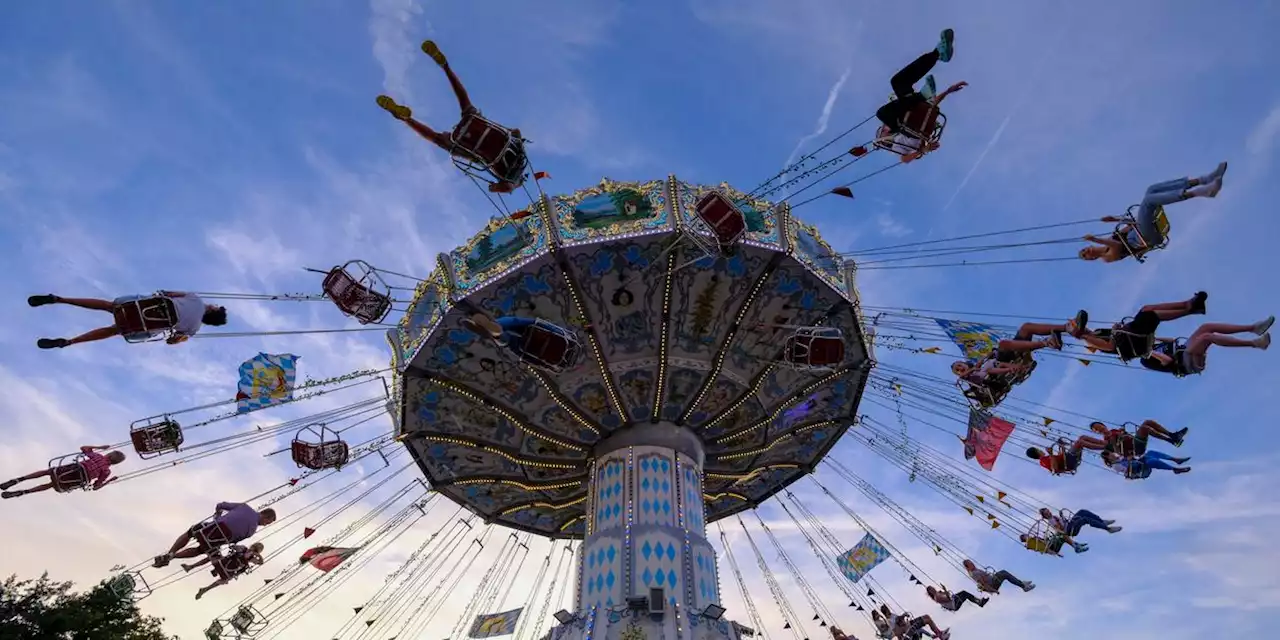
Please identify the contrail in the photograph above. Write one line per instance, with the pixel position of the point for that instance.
(824, 118)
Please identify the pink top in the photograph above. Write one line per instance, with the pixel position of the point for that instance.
(96, 467)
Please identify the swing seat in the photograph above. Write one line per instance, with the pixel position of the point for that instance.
(68, 474)
(988, 396)
(230, 566)
(483, 146)
(924, 123)
(1145, 244)
(549, 347)
(129, 584)
(317, 456)
(151, 439)
(1130, 345)
(214, 632)
(364, 296)
(145, 319)
(316, 447)
(812, 348)
(247, 621)
(722, 217)
(210, 534)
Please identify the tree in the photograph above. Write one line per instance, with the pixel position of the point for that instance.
(47, 610)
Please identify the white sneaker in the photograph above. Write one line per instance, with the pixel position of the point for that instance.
(1264, 326)
(1029, 585)
(1114, 529)
(1263, 341)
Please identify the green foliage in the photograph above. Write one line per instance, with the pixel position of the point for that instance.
(47, 610)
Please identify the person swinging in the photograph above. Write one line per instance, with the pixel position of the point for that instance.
(910, 120)
(1142, 233)
(1136, 337)
(990, 582)
(1010, 355)
(537, 342)
(1189, 357)
(231, 523)
(1129, 445)
(92, 467)
(229, 565)
(1141, 468)
(139, 317)
(1066, 459)
(953, 601)
(1052, 544)
(474, 139)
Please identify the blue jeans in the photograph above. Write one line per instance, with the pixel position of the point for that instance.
(1082, 518)
(1158, 195)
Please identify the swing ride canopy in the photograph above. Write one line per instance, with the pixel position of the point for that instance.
(665, 337)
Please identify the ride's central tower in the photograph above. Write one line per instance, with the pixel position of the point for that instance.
(646, 525)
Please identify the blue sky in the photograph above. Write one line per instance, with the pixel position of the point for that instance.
(220, 147)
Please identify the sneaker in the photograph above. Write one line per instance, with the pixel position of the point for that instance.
(51, 343)
(483, 325)
(946, 45)
(1179, 436)
(1078, 325)
(38, 301)
(1219, 172)
(161, 560)
(982, 602)
(1182, 470)
(930, 88)
(1081, 547)
(398, 111)
(1111, 528)
(1108, 522)
(1053, 342)
(1027, 586)
(1198, 302)
(10, 494)
(945, 635)
(1209, 190)
(1263, 341)
(8, 485)
(1181, 460)
(430, 48)
(1263, 326)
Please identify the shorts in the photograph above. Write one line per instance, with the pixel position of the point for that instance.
(69, 477)
(1071, 459)
(1189, 363)
(1144, 323)
(215, 533)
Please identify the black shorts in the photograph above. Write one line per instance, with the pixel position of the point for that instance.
(215, 533)
(1145, 323)
(1071, 459)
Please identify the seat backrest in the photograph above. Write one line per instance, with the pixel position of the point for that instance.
(922, 119)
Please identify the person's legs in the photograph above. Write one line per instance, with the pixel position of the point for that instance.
(199, 563)
(37, 489)
(1151, 428)
(1172, 310)
(1083, 518)
(1175, 185)
(1219, 334)
(95, 335)
(904, 81)
(1003, 576)
(96, 304)
(30, 476)
(892, 113)
(1032, 329)
(960, 597)
(433, 51)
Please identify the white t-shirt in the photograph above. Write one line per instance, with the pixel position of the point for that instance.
(190, 311)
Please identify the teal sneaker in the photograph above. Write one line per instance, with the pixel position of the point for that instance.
(930, 88)
(946, 45)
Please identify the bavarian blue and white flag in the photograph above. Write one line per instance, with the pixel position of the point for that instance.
(862, 558)
(266, 380)
(489, 625)
(975, 339)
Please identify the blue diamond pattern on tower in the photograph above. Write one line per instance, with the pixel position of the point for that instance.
(660, 578)
(666, 486)
(671, 551)
(644, 484)
(666, 466)
(666, 506)
(599, 583)
(591, 561)
(647, 550)
(612, 553)
(609, 579)
(644, 464)
(646, 507)
(647, 576)
(671, 576)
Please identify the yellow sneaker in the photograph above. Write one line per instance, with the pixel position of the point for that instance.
(429, 47)
(400, 111)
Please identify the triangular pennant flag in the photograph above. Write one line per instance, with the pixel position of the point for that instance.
(898, 388)
(1000, 495)
(293, 481)
(969, 509)
(858, 151)
(816, 616)
(1048, 421)
(1084, 362)
(358, 609)
(786, 626)
(995, 524)
(860, 608)
(937, 550)
(931, 350)
(307, 531)
(267, 581)
(854, 604)
(279, 595)
(990, 517)
(1044, 433)
(982, 499)
(541, 175)
(870, 593)
(843, 191)
(368, 623)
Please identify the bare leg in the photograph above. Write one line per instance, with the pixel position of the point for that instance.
(204, 590)
(1154, 429)
(31, 476)
(97, 334)
(182, 541)
(15, 494)
(199, 563)
(932, 625)
(190, 553)
(1175, 310)
(439, 139)
(460, 92)
(89, 303)
(1030, 329)
(1221, 328)
(1087, 442)
(1022, 345)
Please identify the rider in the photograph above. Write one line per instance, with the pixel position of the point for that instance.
(1141, 468)
(191, 312)
(1052, 544)
(837, 634)
(94, 467)
(991, 582)
(1129, 238)
(882, 619)
(252, 553)
(908, 628)
(1066, 459)
(232, 522)
(1077, 522)
(1007, 356)
(444, 140)
(906, 99)
(953, 601)
(1169, 357)
(1125, 444)
(1129, 340)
